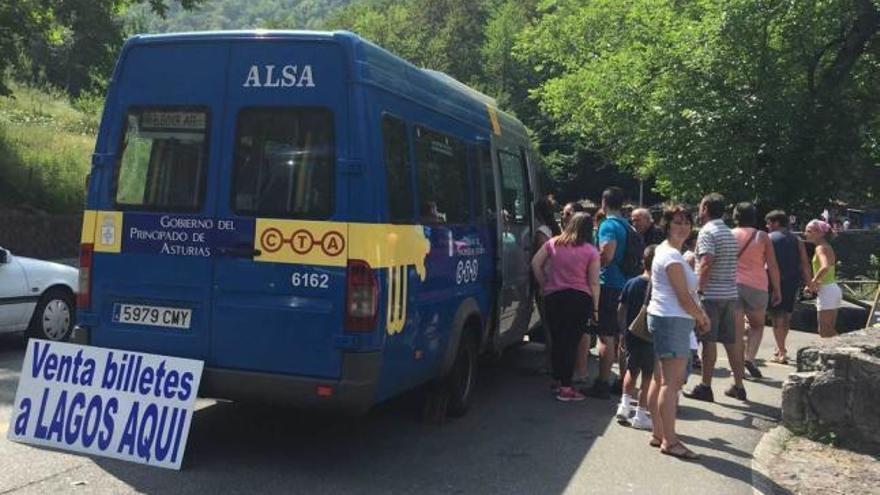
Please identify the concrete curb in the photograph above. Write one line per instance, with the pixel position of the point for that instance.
(768, 449)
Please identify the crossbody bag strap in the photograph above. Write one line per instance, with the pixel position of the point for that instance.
(752, 238)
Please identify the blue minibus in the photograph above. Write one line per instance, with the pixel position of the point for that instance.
(322, 223)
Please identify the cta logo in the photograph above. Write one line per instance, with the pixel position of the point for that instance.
(302, 241)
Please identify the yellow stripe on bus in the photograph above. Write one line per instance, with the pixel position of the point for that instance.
(88, 227)
(103, 229)
(334, 243)
(393, 248)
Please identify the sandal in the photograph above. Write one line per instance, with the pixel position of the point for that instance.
(655, 442)
(779, 359)
(683, 453)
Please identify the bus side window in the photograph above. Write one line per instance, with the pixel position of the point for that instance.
(485, 180)
(513, 187)
(442, 178)
(398, 170)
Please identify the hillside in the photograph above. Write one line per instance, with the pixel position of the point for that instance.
(235, 14)
(46, 143)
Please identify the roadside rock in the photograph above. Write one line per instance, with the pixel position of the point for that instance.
(785, 463)
(837, 389)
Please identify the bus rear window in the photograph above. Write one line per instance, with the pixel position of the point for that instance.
(284, 163)
(163, 159)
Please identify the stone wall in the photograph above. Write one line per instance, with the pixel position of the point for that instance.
(40, 235)
(837, 389)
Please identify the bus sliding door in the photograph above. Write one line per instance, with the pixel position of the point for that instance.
(514, 224)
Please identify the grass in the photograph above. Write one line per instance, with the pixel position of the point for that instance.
(46, 143)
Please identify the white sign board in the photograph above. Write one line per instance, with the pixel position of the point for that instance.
(121, 404)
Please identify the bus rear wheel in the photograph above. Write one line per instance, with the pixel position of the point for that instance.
(459, 383)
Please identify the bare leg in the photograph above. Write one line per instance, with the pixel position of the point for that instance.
(755, 333)
(654, 402)
(629, 383)
(827, 320)
(607, 348)
(739, 326)
(710, 354)
(644, 389)
(671, 374)
(781, 322)
(736, 358)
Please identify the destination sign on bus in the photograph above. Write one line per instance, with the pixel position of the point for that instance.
(173, 120)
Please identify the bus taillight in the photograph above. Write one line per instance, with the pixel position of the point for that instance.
(361, 297)
(84, 296)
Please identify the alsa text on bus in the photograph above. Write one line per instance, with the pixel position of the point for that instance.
(290, 75)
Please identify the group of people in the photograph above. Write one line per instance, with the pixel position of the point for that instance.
(683, 293)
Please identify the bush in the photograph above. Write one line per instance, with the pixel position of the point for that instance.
(45, 150)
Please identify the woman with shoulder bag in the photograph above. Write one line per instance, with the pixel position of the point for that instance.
(672, 314)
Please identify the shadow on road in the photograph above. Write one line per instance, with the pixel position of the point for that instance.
(12, 347)
(515, 439)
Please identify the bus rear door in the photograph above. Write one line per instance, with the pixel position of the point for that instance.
(279, 291)
(146, 231)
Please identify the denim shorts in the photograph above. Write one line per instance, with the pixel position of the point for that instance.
(672, 336)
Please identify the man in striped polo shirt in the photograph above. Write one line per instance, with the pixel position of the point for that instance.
(717, 252)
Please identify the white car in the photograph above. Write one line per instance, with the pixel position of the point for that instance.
(37, 296)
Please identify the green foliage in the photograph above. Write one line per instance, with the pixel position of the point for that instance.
(234, 14)
(478, 43)
(444, 35)
(772, 101)
(45, 150)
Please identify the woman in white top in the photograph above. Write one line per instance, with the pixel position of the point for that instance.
(672, 314)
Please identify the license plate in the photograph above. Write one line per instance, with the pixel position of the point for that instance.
(156, 316)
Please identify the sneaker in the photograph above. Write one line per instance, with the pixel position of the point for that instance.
(738, 393)
(624, 411)
(753, 369)
(641, 420)
(599, 390)
(569, 394)
(701, 392)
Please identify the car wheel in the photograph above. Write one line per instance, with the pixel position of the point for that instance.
(53, 317)
(460, 381)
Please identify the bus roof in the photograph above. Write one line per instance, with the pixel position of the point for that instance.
(372, 65)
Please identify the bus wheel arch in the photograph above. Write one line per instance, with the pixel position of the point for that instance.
(450, 394)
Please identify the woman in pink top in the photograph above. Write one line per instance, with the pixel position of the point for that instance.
(567, 271)
(756, 260)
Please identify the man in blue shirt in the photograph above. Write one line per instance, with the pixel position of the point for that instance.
(612, 246)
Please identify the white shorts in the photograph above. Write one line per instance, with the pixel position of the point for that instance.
(829, 297)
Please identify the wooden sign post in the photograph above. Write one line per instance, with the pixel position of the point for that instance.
(874, 315)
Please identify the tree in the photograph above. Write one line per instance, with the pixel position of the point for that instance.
(752, 98)
(444, 35)
(71, 44)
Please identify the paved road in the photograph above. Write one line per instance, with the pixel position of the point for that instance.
(516, 439)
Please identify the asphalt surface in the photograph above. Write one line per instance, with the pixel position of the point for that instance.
(515, 440)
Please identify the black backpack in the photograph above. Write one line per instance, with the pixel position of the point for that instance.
(631, 265)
